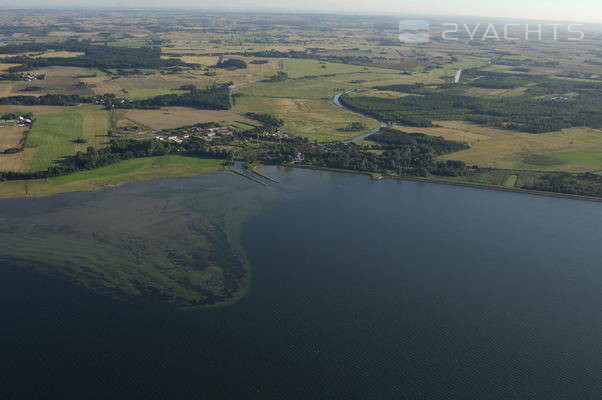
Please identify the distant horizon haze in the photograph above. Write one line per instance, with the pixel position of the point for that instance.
(550, 10)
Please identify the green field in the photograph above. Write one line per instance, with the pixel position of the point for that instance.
(52, 136)
(240, 125)
(296, 68)
(594, 159)
(148, 93)
(511, 181)
(126, 171)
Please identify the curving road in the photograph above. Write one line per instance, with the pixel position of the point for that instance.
(336, 100)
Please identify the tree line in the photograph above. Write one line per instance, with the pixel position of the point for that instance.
(119, 150)
(523, 113)
(95, 56)
(412, 155)
(211, 98)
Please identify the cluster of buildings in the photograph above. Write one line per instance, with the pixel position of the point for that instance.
(275, 135)
(210, 134)
(29, 77)
(207, 134)
(21, 121)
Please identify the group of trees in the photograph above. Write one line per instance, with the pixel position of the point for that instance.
(267, 120)
(47, 100)
(354, 127)
(525, 113)
(231, 63)
(415, 156)
(12, 115)
(95, 56)
(390, 138)
(211, 98)
(575, 184)
(498, 80)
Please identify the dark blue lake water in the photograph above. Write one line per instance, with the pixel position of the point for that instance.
(361, 289)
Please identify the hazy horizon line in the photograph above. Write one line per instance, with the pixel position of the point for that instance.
(280, 11)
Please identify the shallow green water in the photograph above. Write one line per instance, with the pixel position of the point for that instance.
(361, 289)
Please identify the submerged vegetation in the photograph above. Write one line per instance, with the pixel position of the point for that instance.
(173, 247)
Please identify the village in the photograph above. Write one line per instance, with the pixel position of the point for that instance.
(206, 133)
(22, 77)
(211, 133)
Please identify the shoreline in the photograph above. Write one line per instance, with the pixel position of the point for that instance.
(373, 175)
(463, 184)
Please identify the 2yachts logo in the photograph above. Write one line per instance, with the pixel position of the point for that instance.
(418, 31)
(414, 31)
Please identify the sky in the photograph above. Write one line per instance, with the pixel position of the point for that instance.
(551, 10)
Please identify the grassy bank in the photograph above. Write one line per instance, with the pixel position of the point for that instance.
(126, 171)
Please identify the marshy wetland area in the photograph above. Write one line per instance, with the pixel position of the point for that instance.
(260, 206)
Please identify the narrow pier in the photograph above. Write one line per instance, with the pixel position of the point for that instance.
(264, 176)
(248, 177)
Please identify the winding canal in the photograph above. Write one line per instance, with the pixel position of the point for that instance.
(337, 101)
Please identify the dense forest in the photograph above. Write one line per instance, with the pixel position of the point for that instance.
(48, 100)
(523, 113)
(95, 56)
(498, 80)
(391, 138)
(412, 154)
(212, 98)
(574, 184)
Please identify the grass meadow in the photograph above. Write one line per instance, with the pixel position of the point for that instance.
(53, 136)
(507, 149)
(126, 171)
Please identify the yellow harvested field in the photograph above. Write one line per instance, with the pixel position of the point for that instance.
(385, 94)
(16, 162)
(10, 136)
(177, 117)
(6, 89)
(103, 86)
(60, 54)
(123, 86)
(475, 91)
(507, 149)
(452, 130)
(4, 67)
(208, 61)
(62, 72)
